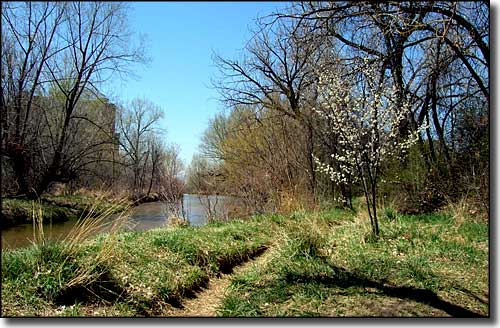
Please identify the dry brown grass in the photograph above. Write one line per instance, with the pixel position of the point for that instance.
(466, 210)
(376, 305)
(37, 219)
(293, 201)
(177, 221)
(90, 225)
(97, 220)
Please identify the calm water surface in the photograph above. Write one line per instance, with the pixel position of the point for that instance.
(143, 217)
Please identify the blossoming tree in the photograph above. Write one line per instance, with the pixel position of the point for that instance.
(364, 116)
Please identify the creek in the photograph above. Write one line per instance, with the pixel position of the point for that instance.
(143, 217)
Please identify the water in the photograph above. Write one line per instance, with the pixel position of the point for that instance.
(143, 217)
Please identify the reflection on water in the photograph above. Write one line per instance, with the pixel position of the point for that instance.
(141, 218)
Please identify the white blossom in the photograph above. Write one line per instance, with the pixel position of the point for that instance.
(365, 120)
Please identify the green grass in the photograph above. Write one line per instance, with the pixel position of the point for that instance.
(317, 264)
(423, 265)
(18, 211)
(34, 278)
(217, 245)
(130, 273)
(83, 204)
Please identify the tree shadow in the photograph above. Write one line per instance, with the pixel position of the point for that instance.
(342, 278)
(471, 294)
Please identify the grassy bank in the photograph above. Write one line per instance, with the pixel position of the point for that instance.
(17, 211)
(319, 264)
(128, 274)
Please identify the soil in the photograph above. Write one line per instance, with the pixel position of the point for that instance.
(206, 301)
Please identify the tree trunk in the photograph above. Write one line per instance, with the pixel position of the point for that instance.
(52, 173)
(367, 198)
(310, 159)
(152, 176)
(18, 159)
(374, 208)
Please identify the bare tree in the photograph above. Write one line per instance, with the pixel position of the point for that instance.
(99, 47)
(276, 74)
(66, 48)
(436, 53)
(29, 41)
(404, 37)
(137, 125)
(170, 180)
(205, 179)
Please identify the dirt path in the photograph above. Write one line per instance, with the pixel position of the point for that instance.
(206, 301)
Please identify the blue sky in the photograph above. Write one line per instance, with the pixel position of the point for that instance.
(182, 37)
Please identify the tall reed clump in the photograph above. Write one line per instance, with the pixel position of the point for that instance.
(97, 220)
(37, 220)
(52, 272)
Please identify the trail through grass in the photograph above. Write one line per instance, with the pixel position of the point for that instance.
(317, 264)
(205, 302)
(421, 266)
(141, 274)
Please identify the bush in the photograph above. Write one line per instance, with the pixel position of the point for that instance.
(390, 214)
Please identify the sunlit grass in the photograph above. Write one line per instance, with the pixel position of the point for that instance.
(321, 263)
(60, 208)
(127, 273)
(45, 272)
(327, 269)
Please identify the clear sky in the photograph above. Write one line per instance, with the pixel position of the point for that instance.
(182, 37)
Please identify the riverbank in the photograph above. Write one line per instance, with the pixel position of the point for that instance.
(56, 209)
(318, 264)
(139, 217)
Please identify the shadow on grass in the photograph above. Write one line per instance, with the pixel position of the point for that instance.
(227, 264)
(105, 289)
(471, 294)
(345, 279)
